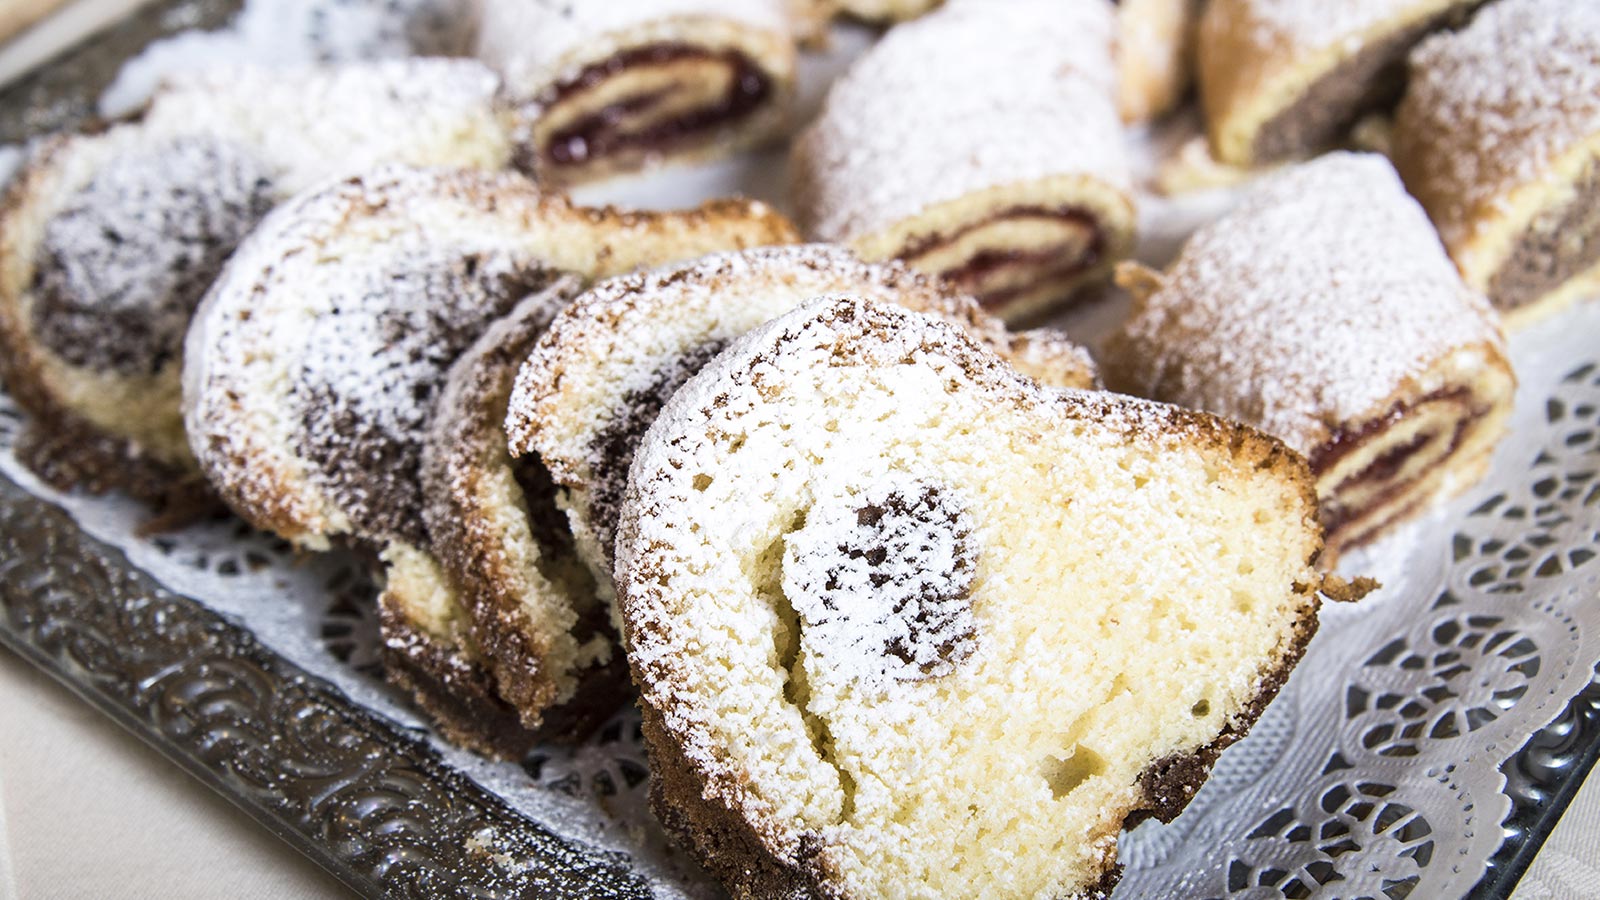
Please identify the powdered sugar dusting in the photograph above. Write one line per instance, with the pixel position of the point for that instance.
(534, 43)
(599, 377)
(883, 584)
(373, 364)
(1310, 24)
(1305, 308)
(315, 122)
(283, 33)
(1491, 107)
(978, 94)
(126, 260)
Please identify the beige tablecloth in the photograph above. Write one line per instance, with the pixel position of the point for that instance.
(89, 811)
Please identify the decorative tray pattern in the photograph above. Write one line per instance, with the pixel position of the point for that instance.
(1427, 744)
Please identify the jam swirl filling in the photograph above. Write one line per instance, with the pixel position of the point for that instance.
(683, 93)
(1368, 475)
(1013, 252)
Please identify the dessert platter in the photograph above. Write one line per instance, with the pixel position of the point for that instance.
(841, 449)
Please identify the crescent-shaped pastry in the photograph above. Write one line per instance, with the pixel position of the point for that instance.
(905, 624)
(1499, 137)
(1324, 311)
(108, 240)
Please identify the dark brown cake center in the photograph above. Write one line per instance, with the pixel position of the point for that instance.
(612, 449)
(884, 585)
(1372, 79)
(1561, 242)
(124, 264)
(606, 131)
(375, 363)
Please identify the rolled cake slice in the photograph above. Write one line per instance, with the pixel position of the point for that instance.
(108, 240)
(613, 86)
(313, 365)
(1282, 79)
(597, 378)
(1324, 311)
(1499, 137)
(906, 624)
(979, 143)
(532, 608)
(1155, 46)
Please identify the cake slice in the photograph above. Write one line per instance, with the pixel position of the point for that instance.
(312, 371)
(598, 376)
(907, 624)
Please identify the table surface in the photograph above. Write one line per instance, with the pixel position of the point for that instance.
(87, 810)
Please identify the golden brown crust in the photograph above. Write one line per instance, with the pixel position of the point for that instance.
(502, 542)
(458, 694)
(1155, 56)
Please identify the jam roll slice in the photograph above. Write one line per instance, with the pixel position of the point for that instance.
(313, 368)
(980, 143)
(1324, 311)
(597, 378)
(1283, 79)
(1499, 137)
(610, 87)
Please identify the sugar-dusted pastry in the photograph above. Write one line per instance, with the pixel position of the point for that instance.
(1155, 55)
(1499, 137)
(598, 377)
(979, 143)
(531, 606)
(1155, 46)
(108, 240)
(883, 10)
(1324, 311)
(312, 369)
(612, 86)
(1281, 79)
(907, 625)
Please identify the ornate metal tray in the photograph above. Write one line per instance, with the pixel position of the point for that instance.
(1424, 748)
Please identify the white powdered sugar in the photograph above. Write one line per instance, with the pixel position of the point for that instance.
(372, 364)
(535, 43)
(1495, 105)
(125, 261)
(248, 345)
(279, 33)
(1321, 23)
(316, 122)
(884, 582)
(1305, 308)
(978, 94)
